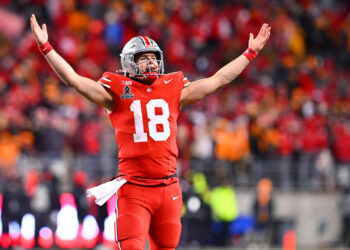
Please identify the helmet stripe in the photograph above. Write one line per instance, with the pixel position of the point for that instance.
(143, 40)
(146, 40)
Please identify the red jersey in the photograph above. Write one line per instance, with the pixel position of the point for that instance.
(145, 123)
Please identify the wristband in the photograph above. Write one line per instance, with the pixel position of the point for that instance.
(45, 48)
(250, 54)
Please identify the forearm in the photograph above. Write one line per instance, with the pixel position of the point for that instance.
(83, 85)
(62, 68)
(230, 71)
(223, 76)
(201, 88)
(68, 75)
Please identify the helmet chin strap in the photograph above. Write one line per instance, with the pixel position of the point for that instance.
(150, 76)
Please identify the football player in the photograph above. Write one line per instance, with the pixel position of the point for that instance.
(143, 105)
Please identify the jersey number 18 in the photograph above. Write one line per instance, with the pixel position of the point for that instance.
(140, 135)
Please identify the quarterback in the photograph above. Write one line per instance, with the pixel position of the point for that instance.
(143, 105)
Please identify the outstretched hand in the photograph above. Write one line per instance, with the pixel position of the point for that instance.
(40, 34)
(260, 40)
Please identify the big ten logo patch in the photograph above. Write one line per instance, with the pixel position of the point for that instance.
(127, 83)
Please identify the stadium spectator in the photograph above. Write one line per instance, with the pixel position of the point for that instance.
(224, 208)
(263, 210)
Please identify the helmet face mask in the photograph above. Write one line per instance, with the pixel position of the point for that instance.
(147, 65)
(136, 45)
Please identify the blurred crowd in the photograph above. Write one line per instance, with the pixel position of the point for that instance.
(286, 117)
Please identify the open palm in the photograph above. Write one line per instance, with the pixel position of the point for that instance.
(40, 34)
(260, 40)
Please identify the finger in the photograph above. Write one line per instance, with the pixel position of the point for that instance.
(44, 27)
(266, 27)
(268, 32)
(34, 19)
(251, 36)
(268, 36)
(262, 29)
(34, 22)
(31, 22)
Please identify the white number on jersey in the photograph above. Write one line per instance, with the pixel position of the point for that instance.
(140, 135)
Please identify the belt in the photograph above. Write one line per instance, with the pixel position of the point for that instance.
(167, 177)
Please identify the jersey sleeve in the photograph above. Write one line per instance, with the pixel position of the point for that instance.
(184, 80)
(106, 80)
(112, 82)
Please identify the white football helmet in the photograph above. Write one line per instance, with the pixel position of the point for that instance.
(137, 45)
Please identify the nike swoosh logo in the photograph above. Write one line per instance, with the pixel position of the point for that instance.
(166, 82)
(176, 197)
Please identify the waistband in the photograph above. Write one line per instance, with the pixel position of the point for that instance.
(167, 177)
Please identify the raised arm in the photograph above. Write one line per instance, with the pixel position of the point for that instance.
(85, 86)
(199, 89)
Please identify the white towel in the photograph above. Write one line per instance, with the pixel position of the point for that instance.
(105, 190)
